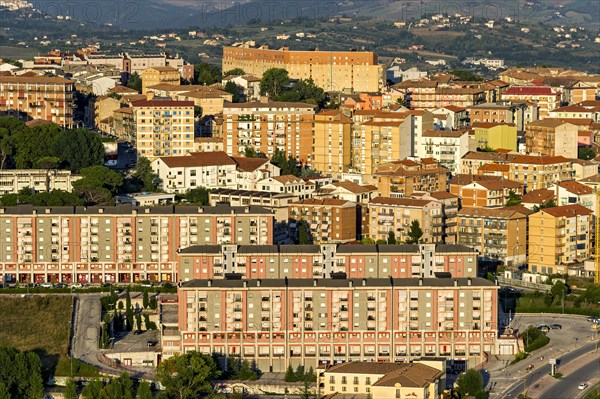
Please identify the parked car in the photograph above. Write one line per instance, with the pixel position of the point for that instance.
(138, 332)
(555, 326)
(544, 327)
(46, 285)
(583, 386)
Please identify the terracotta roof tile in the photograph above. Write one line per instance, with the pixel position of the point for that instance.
(399, 201)
(199, 159)
(568, 211)
(575, 187)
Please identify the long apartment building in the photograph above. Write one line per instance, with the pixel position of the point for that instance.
(432, 95)
(559, 237)
(163, 127)
(497, 234)
(40, 180)
(38, 97)
(278, 322)
(268, 127)
(121, 244)
(357, 71)
(551, 137)
(325, 261)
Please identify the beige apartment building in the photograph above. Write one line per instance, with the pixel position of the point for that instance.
(159, 74)
(356, 71)
(163, 127)
(559, 237)
(403, 178)
(121, 244)
(329, 220)
(38, 97)
(551, 137)
(40, 180)
(546, 98)
(495, 233)
(481, 191)
(395, 215)
(278, 322)
(385, 380)
(537, 172)
(332, 148)
(268, 127)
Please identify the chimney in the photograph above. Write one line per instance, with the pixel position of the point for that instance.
(456, 283)
(364, 282)
(420, 281)
(245, 284)
(258, 283)
(350, 283)
(210, 283)
(469, 281)
(150, 95)
(314, 282)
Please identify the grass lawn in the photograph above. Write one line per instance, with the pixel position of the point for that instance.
(530, 303)
(37, 323)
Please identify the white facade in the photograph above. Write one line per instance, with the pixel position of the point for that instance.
(40, 180)
(445, 146)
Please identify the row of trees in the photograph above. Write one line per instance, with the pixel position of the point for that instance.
(47, 147)
(276, 83)
(121, 387)
(20, 374)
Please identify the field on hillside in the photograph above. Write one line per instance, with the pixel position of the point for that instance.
(37, 323)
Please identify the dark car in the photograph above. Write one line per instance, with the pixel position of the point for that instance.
(138, 332)
(555, 326)
(151, 343)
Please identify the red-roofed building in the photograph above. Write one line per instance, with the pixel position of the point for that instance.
(552, 137)
(573, 192)
(326, 221)
(402, 178)
(543, 96)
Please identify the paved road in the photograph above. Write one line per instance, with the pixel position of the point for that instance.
(87, 325)
(567, 386)
(528, 380)
(576, 333)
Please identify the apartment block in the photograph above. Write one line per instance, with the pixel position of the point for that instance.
(544, 97)
(269, 127)
(573, 192)
(491, 135)
(160, 74)
(577, 111)
(121, 244)
(278, 322)
(395, 215)
(275, 202)
(497, 234)
(328, 220)
(403, 178)
(211, 170)
(551, 137)
(481, 191)
(504, 112)
(38, 97)
(332, 150)
(382, 137)
(326, 261)
(445, 146)
(559, 237)
(537, 172)
(356, 71)
(427, 94)
(14, 180)
(288, 184)
(163, 127)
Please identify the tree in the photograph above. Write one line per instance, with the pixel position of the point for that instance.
(559, 289)
(30, 145)
(300, 373)
(232, 88)
(304, 235)
(234, 72)
(198, 196)
(544, 205)
(188, 375)
(414, 233)
(105, 338)
(246, 373)
(207, 74)
(304, 91)
(128, 311)
(145, 300)
(135, 82)
(470, 383)
(138, 321)
(98, 185)
(290, 375)
(93, 389)
(198, 111)
(250, 152)
(144, 391)
(466, 75)
(586, 153)
(121, 387)
(391, 240)
(274, 82)
(145, 177)
(513, 199)
(367, 241)
(79, 149)
(70, 390)
(153, 303)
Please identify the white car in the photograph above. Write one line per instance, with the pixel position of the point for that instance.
(583, 385)
(46, 285)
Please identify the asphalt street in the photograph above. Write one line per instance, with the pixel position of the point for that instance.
(568, 385)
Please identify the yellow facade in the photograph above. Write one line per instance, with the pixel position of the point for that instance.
(164, 128)
(558, 237)
(493, 136)
(332, 147)
(158, 75)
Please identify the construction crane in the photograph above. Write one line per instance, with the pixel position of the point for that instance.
(597, 233)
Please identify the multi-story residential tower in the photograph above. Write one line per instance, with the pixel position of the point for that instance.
(163, 127)
(38, 97)
(332, 148)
